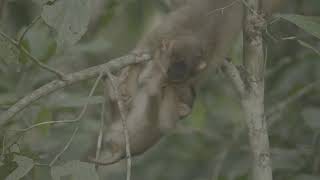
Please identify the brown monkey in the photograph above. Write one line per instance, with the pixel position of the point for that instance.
(159, 93)
(153, 105)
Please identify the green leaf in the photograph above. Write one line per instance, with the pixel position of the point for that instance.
(69, 18)
(25, 164)
(310, 24)
(78, 170)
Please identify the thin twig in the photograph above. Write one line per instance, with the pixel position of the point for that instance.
(65, 147)
(223, 8)
(44, 123)
(302, 43)
(85, 74)
(233, 73)
(307, 45)
(42, 65)
(85, 107)
(269, 34)
(67, 121)
(114, 85)
(94, 87)
(100, 137)
(32, 58)
(26, 30)
(249, 8)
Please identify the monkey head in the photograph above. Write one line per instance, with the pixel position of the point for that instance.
(186, 58)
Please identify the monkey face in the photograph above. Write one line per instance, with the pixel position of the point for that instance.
(186, 59)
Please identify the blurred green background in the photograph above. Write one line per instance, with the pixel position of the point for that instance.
(209, 143)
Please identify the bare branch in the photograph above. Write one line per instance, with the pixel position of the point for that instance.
(223, 8)
(54, 85)
(44, 123)
(65, 147)
(253, 101)
(83, 111)
(94, 87)
(100, 137)
(233, 73)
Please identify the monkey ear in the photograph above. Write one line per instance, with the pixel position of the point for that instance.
(201, 66)
(184, 110)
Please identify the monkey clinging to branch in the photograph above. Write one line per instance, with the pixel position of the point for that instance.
(158, 93)
(155, 98)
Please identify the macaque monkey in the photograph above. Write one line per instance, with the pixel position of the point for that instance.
(153, 105)
(158, 93)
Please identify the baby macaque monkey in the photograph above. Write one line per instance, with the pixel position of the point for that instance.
(154, 101)
(158, 93)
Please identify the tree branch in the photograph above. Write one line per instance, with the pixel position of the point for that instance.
(101, 133)
(253, 100)
(234, 75)
(72, 78)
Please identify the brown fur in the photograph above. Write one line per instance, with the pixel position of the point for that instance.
(159, 93)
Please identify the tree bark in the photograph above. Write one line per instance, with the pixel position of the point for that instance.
(253, 96)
